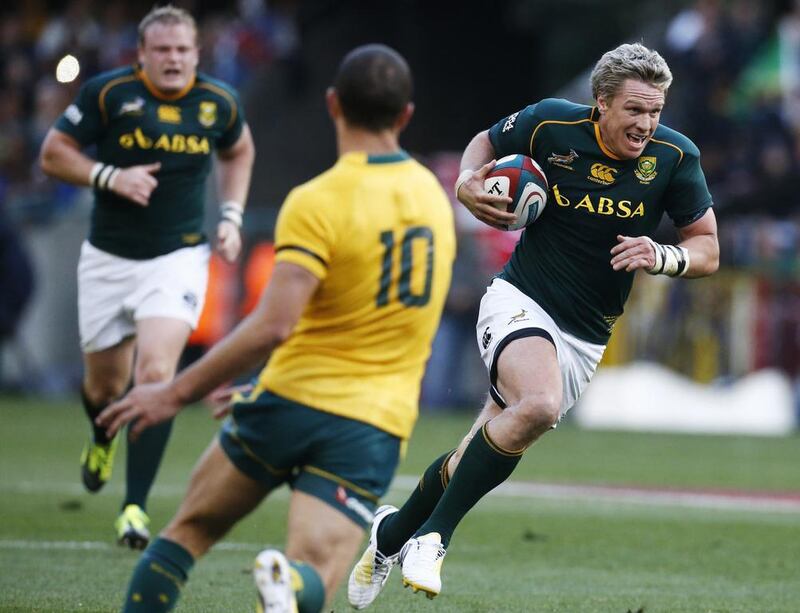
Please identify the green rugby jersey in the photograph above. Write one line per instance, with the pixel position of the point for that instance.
(562, 260)
(132, 123)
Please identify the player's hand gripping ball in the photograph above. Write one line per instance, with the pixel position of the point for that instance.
(521, 179)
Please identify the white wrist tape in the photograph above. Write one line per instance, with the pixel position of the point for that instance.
(102, 175)
(113, 177)
(671, 260)
(232, 211)
(94, 172)
(463, 177)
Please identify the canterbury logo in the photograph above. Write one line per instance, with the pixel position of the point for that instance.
(604, 173)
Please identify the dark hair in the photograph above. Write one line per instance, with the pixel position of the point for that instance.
(374, 85)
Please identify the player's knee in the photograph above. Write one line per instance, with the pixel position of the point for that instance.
(539, 412)
(154, 370)
(102, 392)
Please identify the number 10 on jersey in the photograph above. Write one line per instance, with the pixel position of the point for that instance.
(408, 267)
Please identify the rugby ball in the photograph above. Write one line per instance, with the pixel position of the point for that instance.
(521, 179)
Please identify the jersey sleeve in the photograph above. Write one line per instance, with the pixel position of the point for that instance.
(82, 119)
(235, 124)
(305, 234)
(687, 198)
(512, 134)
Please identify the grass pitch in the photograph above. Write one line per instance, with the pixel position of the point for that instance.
(513, 553)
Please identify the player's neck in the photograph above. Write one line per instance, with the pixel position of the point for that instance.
(373, 143)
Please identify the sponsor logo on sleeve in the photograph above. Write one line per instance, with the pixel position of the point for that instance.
(73, 114)
(509, 124)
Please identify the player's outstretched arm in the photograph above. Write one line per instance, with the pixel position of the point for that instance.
(234, 168)
(476, 162)
(61, 157)
(696, 255)
(247, 346)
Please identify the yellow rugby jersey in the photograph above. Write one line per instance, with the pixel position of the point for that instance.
(378, 232)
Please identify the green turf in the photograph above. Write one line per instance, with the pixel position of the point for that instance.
(509, 554)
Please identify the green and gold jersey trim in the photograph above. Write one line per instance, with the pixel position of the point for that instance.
(316, 256)
(388, 158)
(221, 92)
(602, 145)
(554, 121)
(663, 142)
(101, 97)
(156, 93)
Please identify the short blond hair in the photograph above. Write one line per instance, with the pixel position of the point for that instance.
(166, 14)
(629, 61)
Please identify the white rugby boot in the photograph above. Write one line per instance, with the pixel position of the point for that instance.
(274, 583)
(421, 561)
(370, 573)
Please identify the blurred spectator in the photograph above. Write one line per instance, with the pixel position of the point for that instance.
(16, 281)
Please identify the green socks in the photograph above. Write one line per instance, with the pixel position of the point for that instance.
(308, 587)
(483, 466)
(398, 527)
(158, 578)
(164, 568)
(144, 458)
(92, 411)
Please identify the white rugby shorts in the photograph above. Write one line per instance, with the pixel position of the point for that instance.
(115, 292)
(506, 314)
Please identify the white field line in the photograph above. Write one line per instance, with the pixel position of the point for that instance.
(701, 499)
(16, 544)
(739, 501)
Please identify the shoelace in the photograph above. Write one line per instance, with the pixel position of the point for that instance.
(381, 567)
(440, 551)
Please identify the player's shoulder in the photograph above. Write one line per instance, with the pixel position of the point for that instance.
(670, 139)
(109, 78)
(216, 87)
(561, 109)
(424, 175)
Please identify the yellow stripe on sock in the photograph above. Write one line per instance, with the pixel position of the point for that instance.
(498, 448)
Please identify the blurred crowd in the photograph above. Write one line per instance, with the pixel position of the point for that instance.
(102, 35)
(736, 93)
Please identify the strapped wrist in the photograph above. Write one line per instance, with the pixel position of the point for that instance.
(232, 211)
(670, 260)
(102, 176)
(465, 175)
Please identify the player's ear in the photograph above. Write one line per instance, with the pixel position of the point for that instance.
(332, 102)
(602, 104)
(404, 117)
